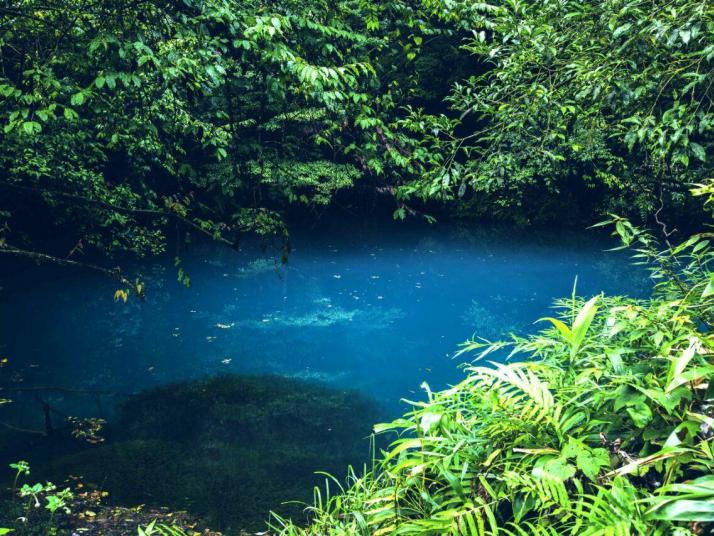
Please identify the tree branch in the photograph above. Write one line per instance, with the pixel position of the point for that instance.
(154, 213)
(114, 273)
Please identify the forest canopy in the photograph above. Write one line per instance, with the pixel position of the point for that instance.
(125, 123)
(122, 120)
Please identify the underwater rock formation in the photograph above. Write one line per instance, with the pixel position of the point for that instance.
(228, 448)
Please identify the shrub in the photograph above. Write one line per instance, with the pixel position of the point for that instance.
(600, 424)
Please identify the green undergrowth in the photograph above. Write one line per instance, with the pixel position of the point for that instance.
(602, 427)
(599, 424)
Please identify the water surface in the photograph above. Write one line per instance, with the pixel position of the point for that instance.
(378, 311)
(369, 311)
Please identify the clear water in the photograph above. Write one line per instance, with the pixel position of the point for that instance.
(377, 311)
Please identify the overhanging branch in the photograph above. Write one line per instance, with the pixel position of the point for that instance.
(114, 273)
(146, 212)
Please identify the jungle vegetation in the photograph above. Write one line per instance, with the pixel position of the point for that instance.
(600, 424)
(129, 127)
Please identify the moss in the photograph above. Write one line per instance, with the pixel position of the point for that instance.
(228, 448)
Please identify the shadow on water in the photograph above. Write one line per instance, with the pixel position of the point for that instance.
(227, 448)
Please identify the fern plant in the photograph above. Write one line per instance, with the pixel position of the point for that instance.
(600, 424)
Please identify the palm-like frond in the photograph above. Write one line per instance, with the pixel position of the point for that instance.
(596, 430)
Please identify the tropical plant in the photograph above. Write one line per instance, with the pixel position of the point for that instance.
(572, 104)
(601, 424)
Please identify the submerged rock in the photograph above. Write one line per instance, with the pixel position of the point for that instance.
(228, 449)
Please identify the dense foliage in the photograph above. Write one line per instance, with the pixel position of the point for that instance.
(578, 104)
(125, 125)
(124, 121)
(125, 118)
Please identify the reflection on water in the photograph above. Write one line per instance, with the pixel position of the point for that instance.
(229, 449)
(377, 312)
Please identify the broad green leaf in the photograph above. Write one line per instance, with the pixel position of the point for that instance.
(626, 395)
(559, 468)
(685, 510)
(698, 151)
(640, 413)
(572, 448)
(562, 328)
(591, 461)
(582, 323)
(31, 127)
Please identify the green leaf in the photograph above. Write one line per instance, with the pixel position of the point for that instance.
(591, 461)
(686, 510)
(559, 468)
(615, 357)
(70, 114)
(640, 413)
(560, 326)
(621, 30)
(572, 448)
(77, 99)
(31, 127)
(692, 375)
(428, 421)
(627, 396)
(582, 324)
(709, 289)
(677, 367)
(698, 151)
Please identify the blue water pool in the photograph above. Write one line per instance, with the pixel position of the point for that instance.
(368, 313)
(376, 310)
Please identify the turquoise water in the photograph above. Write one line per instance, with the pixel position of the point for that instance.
(376, 311)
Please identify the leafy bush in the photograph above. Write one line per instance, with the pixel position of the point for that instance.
(602, 423)
(596, 105)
